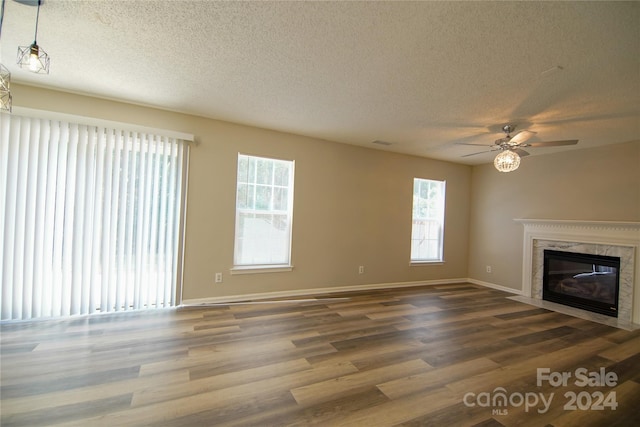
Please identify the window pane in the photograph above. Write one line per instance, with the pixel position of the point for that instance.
(251, 177)
(280, 199)
(281, 174)
(264, 171)
(428, 220)
(424, 188)
(245, 196)
(243, 169)
(262, 239)
(263, 198)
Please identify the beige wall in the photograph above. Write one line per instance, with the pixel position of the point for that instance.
(352, 205)
(590, 184)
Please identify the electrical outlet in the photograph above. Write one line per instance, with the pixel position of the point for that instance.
(218, 277)
(361, 269)
(488, 269)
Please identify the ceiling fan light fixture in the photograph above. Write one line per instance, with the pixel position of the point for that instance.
(507, 161)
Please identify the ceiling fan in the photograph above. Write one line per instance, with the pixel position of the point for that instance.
(511, 147)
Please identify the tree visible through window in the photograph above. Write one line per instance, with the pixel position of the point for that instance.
(427, 231)
(264, 211)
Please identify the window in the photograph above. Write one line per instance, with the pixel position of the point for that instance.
(264, 212)
(89, 220)
(427, 231)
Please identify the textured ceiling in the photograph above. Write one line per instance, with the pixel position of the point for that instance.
(420, 75)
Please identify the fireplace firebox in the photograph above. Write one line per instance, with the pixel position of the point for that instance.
(585, 281)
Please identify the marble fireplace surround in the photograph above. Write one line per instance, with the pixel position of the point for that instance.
(619, 239)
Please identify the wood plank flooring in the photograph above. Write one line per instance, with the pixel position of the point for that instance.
(430, 356)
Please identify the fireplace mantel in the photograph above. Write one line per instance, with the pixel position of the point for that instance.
(607, 233)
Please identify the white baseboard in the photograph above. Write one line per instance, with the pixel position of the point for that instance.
(316, 291)
(494, 286)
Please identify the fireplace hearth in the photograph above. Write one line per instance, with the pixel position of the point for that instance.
(585, 281)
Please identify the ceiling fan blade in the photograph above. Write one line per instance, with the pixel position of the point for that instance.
(520, 152)
(521, 137)
(552, 143)
(481, 152)
(469, 143)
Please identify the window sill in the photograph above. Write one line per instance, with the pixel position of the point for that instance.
(423, 263)
(258, 269)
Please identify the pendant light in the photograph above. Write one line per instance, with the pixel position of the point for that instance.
(33, 57)
(5, 89)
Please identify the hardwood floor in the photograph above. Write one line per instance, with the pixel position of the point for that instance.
(433, 356)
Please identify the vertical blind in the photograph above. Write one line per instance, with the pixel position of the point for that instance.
(90, 218)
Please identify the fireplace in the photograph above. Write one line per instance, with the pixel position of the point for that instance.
(586, 281)
(610, 238)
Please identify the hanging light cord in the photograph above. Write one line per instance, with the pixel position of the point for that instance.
(2, 16)
(35, 36)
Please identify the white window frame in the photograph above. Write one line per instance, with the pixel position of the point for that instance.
(433, 213)
(241, 266)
